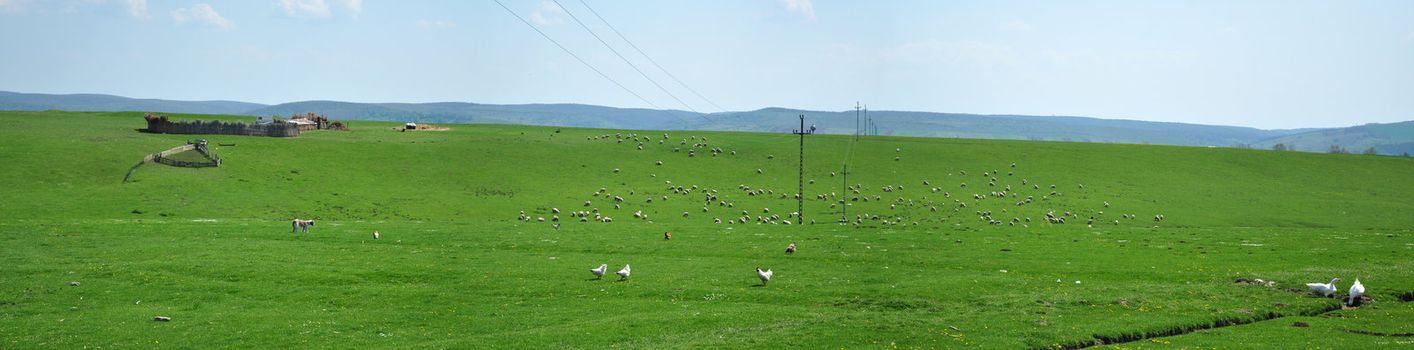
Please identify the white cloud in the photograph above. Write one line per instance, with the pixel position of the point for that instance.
(1014, 26)
(203, 14)
(548, 14)
(138, 8)
(305, 8)
(803, 7)
(12, 6)
(354, 5)
(318, 8)
(437, 24)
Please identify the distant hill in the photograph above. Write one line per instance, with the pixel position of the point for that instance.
(1019, 127)
(571, 115)
(108, 103)
(1392, 139)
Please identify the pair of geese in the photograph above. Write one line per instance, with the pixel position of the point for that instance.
(1328, 289)
(624, 273)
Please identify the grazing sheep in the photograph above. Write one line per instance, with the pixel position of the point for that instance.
(298, 225)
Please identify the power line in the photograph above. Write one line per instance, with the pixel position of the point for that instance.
(576, 57)
(650, 59)
(625, 59)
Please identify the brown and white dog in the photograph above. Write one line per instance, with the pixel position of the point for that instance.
(298, 225)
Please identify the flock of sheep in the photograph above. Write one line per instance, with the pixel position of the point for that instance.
(719, 205)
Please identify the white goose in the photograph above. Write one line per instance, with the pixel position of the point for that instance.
(1356, 290)
(599, 272)
(623, 274)
(1324, 289)
(765, 275)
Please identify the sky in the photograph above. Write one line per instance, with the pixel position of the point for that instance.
(1266, 64)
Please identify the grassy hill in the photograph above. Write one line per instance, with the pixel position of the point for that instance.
(896, 123)
(1390, 139)
(456, 268)
(98, 102)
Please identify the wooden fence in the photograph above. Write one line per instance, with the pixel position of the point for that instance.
(164, 158)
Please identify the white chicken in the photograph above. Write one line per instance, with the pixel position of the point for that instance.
(1324, 289)
(599, 271)
(764, 275)
(1356, 290)
(375, 234)
(623, 273)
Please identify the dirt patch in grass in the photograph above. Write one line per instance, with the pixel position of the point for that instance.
(888, 304)
(1378, 334)
(1125, 337)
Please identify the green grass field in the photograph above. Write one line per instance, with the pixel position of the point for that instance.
(212, 248)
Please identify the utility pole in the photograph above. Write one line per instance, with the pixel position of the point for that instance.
(844, 189)
(800, 185)
(856, 120)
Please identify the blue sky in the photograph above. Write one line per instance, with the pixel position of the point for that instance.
(1268, 64)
